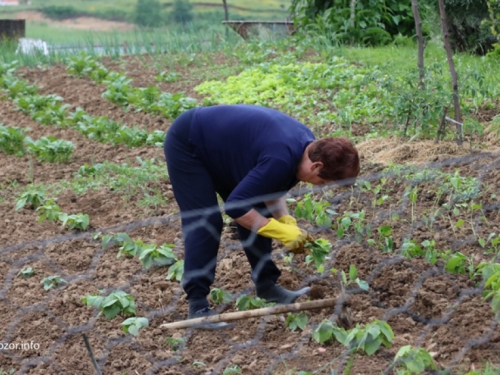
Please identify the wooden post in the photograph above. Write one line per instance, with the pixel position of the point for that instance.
(454, 78)
(442, 126)
(420, 42)
(293, 307)
(226, 12)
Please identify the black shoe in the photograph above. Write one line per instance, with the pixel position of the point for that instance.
(205, 312)
(280, 295)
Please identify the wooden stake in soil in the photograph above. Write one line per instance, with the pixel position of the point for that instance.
(442, 130)
(89, 349)
(293, 307)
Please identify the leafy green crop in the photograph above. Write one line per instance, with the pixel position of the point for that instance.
(50, 211)
(351, 278)
(161, 256)
(33, 196)
(78, 221)
(319, 249)
(26, 272)
(294, 321)
(12, 140)
(117, 302)
(245, 302)
(176, 271)
(315, 211)
(413, 360)
(367, 338)
(50, 149)
(220, 296)
(134, 324)
(51, 281)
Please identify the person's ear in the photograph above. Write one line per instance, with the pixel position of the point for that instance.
(316, 165)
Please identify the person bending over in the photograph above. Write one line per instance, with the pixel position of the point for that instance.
(251, 156)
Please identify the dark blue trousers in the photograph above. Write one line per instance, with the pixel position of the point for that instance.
(196, 195)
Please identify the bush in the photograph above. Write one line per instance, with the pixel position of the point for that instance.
(468, 25)
(370, 22)
(61, 12)
(148, 13)
(181, 12)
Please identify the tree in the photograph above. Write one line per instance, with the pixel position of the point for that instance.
(181, 12)
(420, 41)
(356, 21)
(148, 13)
(453, 72)
(226, 12)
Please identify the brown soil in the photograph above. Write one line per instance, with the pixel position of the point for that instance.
(424, 304)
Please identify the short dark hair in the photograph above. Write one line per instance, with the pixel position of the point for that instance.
(339, 157)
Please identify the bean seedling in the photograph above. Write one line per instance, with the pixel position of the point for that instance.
(26, 272)
(413, 360)
(296, 320)
(134, 324)
(52, 281)
(117, 302)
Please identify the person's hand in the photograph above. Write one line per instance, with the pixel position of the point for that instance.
(291, 236)
(302, 249)
(288, 219)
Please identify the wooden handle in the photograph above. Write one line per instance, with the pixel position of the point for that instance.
(252, 313)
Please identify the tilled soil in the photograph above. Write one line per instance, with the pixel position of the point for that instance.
(425, 305)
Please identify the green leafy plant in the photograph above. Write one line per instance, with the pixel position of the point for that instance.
(12, 140)
(131, 248)
(245, 302)
(80, 65)
(351, 278)
(385, 242)
(319, 249)
(51, 281)
(370, 337)
(367, 338)
(162, 256)
(26, 272)
(49, 211)
(491, 275)
(167, 77)
(314, 211)
(175, 343)
(220, 296)
(176, 271)
(77, 221)
(34, 197)
(410, 249)
(117, 302)
(493, 239)
(413, 361)
(233, 370)
(296, 321)
(50, 149)
(134, 324)
(326, 330)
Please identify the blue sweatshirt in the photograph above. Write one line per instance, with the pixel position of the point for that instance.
(250, 151)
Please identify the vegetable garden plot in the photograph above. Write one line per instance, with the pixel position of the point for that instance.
(420, 239)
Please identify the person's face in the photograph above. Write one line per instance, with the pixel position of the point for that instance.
(309, 172)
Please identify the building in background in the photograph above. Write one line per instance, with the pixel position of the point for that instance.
(9, 2)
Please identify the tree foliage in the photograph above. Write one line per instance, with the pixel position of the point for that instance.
(469, 23)
(148, 13)
(182, 11)
(356, 21)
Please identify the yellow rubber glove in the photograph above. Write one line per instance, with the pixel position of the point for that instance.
(288, 219)
(291, 236)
